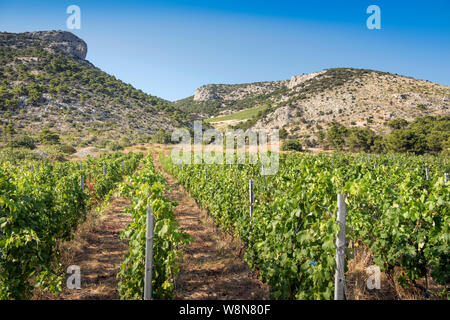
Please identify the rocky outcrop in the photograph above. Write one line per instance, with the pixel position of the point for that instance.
(296, 80)
(52, 41)
(205, 93)
(234, 92)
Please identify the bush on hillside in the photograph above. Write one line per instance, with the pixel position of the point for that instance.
(22, 142)
(48, 137)
(294, 145)
(68, 149)
(161, 137)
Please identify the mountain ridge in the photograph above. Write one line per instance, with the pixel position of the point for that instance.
(306, 103)
(45, 82)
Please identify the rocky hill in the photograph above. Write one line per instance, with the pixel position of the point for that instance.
(50, 41)
(308, 102)
(213, 99)
(45, 82)
(355, 97)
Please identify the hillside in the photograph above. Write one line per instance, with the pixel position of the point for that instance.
(307, 103)
(45, 82)
(218, 99)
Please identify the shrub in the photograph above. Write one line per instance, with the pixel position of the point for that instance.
(114, 146)
(310, 143)
(17, 154)
(397, 123)
(22, 142)
(161, 137)
(54, 153)
(68, 149)
(422, 107)
(291, 145)
(48, 137)
(283, 134)
(124, 142)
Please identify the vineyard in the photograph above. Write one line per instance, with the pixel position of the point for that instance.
(397, 207)
(41, 205)
(146, 190)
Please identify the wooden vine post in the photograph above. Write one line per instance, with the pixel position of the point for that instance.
(339, 277)
(81, 177)
(251, 198)
(148, 254)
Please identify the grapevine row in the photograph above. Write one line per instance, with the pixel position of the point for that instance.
(146, 187)
(393, 210)
(41, 205)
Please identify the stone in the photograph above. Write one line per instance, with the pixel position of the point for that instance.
(41, 153)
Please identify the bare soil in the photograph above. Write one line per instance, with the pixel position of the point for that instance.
(99, 252)
(212, 266)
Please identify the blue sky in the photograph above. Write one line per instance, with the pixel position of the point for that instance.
(170, 48)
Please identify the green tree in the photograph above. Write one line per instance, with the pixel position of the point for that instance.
(379, 145)
(34, 93)
(336, 134)
(361, 139)
(406, 140)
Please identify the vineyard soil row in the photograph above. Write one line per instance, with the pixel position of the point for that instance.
(212, 266)
(99, 252)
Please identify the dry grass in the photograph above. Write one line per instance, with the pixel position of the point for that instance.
(97, 249)
(390, 289)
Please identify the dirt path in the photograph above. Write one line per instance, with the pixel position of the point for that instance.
(212, 266)
(101, 255)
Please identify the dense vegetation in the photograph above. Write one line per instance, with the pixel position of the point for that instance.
(393, 211)
(292, 144)
(190, 106)
(423, 135)
(41, 205)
